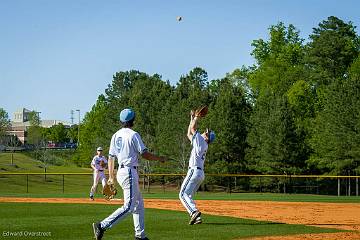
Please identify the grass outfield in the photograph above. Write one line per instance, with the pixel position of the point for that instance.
(73, 221)
(23, 163)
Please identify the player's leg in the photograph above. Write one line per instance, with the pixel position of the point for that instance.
(96, 177)
(102, 179)
(187, 188)
(139, 213)
(201, 178)
(125, 178)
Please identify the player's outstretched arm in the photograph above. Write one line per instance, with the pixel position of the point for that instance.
(192, 125)
(152, 157)
(111, 168)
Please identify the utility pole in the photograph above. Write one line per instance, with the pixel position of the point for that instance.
(72, 116)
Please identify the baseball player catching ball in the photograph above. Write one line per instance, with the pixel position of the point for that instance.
(195, 175)
(126, 145)
(98, 164)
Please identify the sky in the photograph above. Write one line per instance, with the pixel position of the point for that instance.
(60, 55)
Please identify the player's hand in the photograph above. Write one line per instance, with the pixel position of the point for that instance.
(110, 181)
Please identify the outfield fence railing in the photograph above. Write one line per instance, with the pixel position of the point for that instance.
(29, 182)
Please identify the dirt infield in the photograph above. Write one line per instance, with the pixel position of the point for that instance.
(345, 216)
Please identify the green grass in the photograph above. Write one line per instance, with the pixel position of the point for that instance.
(73, 221)
(23, 163)
(52, 184)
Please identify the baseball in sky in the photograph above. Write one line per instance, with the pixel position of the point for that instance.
(179, 18)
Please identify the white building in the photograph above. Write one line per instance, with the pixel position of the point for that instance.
(21, 123)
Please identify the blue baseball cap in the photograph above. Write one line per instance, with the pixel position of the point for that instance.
(211, 136)
(127, 115)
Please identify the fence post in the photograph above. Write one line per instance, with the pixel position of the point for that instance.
(357, 186)
(63, 183)
(338, 186)
(349, 184)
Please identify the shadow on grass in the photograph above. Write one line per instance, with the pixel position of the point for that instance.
(245, 224)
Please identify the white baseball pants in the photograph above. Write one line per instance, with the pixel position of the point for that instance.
(98, 175)
(191, 184)
(128, 179)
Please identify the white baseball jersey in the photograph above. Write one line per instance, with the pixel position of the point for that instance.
(96, 162)
(198, 151)
(126, 145)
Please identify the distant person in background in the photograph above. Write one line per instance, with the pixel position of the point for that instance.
(98, 164)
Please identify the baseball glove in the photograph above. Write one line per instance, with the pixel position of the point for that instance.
(102, 164)
(109, 191)
(201, 111)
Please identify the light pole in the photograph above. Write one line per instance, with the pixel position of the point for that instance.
(78, 142)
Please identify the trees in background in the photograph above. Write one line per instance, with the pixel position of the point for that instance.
(275, 139)
(331, 61)
(336, 135)
(333, 47)
(4, 125)
(34, 136)
(229, 117)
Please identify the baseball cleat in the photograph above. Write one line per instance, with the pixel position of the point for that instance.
(145, 238)
(92, 198)
(194, 216)
(98, 231)
(198, 220)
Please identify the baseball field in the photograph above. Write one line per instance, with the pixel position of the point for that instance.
(44, 212)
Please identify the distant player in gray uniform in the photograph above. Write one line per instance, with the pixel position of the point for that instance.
(126, 145)
(98, 164)
(195, 175)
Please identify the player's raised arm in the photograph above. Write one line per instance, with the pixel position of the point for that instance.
(192, 125)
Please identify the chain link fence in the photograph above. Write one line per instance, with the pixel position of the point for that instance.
(156, 183)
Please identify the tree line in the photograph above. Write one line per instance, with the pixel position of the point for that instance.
(295, 111)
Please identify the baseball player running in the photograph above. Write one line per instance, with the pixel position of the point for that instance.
(195, 175)
(98, 164)
(126, 145)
